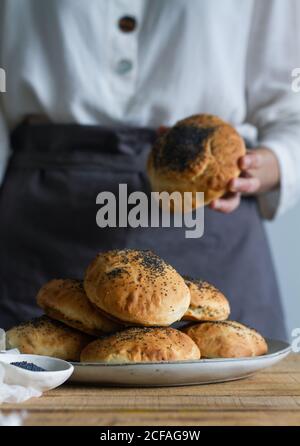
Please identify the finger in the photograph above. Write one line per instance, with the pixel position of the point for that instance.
(162, 130)
(244, 185)
(227, 204)
(252, 160)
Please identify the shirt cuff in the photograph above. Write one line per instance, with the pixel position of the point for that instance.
(276, 202)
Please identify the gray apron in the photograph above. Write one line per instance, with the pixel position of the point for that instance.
(48, 224)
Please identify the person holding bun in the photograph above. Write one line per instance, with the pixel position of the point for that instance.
(89, 85)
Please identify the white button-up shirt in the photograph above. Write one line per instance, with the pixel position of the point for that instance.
(69, 60)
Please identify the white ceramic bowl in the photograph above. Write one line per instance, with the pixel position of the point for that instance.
(57, 371)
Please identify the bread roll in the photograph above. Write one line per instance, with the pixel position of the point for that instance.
(142, 345)
(66, 301)
(226, 339)
(136, 288)
(207, 302)
(44, 336)
(198, 154)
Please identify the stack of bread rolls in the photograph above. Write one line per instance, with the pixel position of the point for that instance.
(124, 308)
(123, 311)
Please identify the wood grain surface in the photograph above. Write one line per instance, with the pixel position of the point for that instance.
(271, 397)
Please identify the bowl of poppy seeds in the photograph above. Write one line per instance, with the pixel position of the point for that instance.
(42, 372)
(28, 366)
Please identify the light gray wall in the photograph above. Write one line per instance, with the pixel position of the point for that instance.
(284, 236)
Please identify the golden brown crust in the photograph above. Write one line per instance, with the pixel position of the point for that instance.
(44, 336)
(137, 288)
(207, 302)
(65, 300)
(142, 345)
(226, 339)
(198, 154)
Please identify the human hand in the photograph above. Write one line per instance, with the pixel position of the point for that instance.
(259, 173)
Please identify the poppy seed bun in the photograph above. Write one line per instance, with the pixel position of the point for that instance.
(136, 288)
(142, 345)
(207, 302)
(198, 154)
(66, 301)
(44, 336)
(226, 339)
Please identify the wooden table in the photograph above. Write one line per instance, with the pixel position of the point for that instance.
(271, 397)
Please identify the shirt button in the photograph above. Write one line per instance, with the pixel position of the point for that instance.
(124, 66)
(127, 24)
